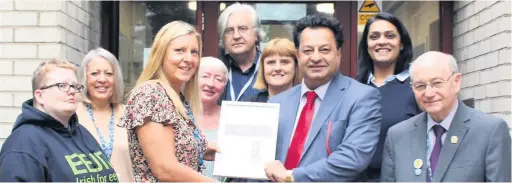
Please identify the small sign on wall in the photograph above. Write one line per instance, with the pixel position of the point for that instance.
(367, 10)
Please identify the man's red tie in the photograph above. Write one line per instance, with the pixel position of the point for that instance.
(301, 132)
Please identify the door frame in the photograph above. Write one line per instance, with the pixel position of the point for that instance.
(346, 13)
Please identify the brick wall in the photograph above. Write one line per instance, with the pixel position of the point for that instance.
(482, 43)
(35, 30)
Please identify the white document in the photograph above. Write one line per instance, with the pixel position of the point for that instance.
(247, 139)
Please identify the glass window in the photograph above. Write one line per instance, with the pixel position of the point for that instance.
(278, 19)
(421, 19)
(138, 24)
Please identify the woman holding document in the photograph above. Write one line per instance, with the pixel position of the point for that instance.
(278, 69)
(213, 76)
(165, 143)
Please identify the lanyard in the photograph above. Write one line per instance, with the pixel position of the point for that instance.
(231, 91)
(429, 153)
(196, 131)
(106, 146)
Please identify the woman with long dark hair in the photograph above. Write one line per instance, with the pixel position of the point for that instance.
(385, 52)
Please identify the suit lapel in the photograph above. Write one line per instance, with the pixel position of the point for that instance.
(458, 129)
(418, 144)
(289, 113)
(334, 91)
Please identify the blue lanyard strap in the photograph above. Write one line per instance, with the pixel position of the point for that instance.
(106, 146)
(196, 131)
(247, 84)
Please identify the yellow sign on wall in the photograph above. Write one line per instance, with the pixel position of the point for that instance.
(367, 10)
(363, 18)
(369, 6)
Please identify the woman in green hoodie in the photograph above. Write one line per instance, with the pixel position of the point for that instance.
(47, 144)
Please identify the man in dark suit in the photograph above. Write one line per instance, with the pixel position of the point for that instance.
(449, 142)
(329, 125)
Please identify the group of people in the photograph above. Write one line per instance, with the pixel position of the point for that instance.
(399, 120)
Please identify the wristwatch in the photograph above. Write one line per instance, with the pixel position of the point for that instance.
(289, 177)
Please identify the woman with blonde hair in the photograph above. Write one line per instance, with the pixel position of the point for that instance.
(165, 143)
(101, 107)
(278, 69)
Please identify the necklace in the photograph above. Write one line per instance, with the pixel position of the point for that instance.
(107, 146)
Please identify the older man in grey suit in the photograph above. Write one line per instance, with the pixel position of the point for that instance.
(449, 142)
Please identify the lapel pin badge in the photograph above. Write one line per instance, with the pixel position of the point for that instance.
(417, 171)
(454, 139)
(418, 163)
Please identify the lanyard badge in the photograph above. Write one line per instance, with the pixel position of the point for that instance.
(249, 82)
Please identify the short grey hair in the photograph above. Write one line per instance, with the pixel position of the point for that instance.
(436, 56)
(237, 7)
(118, 93)
(210, 62)
(453, 63)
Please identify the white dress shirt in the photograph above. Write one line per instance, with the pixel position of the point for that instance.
(320, 92)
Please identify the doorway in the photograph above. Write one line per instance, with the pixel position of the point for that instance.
(278, 20)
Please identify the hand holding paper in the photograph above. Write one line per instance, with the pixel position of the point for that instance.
(248, 137)
(212, 149)
(276, 171)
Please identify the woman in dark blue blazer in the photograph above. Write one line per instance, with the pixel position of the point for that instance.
(384, 55)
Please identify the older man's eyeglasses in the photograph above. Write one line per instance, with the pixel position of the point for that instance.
(65, 87)
(240, 29)
(439, 83)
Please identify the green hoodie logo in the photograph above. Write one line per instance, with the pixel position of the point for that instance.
(80, 164)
